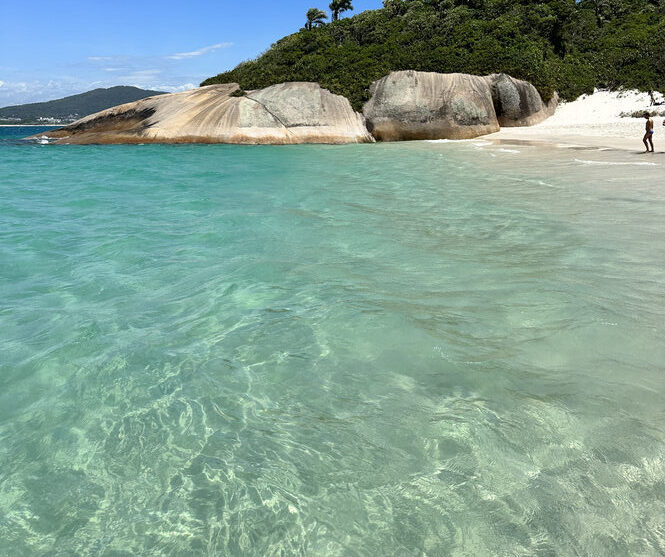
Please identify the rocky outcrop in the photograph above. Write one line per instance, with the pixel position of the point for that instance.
(517, 102)
(404, 105)
(424, 105)
(282, 114)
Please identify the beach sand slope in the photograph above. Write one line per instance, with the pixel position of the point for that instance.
(593, 121)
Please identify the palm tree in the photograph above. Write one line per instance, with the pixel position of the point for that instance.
(339, 6)
(315, 17)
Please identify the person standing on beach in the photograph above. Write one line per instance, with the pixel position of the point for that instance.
(648, 136)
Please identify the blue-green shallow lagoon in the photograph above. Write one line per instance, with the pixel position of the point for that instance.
(416, 349)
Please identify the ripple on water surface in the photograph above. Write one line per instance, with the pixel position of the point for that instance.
(423, 349)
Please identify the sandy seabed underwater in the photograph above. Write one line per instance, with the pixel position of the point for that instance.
(415, 349)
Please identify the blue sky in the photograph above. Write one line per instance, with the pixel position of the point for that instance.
(51, 49)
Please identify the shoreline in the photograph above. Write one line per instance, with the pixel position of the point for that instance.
(596, 121)
(546, 138)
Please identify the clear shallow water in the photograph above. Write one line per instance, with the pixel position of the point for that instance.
(422, 349)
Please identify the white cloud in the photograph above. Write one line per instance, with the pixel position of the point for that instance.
(21, 92)
(176, 88)
(101, 58)
(2, 83)
(19, 86)
(114, 69)
(199, 52)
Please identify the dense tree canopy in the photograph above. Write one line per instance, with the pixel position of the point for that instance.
(560, 45)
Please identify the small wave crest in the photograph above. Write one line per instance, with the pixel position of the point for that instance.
(448, 140)
(615, 163)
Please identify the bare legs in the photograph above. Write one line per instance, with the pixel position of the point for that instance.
(648, 140)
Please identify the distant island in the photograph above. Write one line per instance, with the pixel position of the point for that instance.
(72, 108)
(566, 46)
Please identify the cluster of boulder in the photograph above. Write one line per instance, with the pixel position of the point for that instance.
(424, 105)
(404, 105)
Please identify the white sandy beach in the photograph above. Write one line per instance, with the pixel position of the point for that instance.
(594, 121)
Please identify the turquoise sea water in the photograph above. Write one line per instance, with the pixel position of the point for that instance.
(414, 349)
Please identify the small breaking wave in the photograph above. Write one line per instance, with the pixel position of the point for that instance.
(448, 140)
(615, 163)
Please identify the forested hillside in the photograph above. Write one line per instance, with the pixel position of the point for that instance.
(561, 45)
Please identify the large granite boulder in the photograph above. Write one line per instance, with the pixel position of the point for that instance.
(282, 114)
(424, 105)
(517, 102)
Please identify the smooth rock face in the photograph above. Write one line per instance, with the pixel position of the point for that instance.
(282, 114)
(411, 105)
(517, 102)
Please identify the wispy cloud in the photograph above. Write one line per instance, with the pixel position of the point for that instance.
(199, 52)
(145, 73)
(2, 83)
(101, 58)
(176, 89)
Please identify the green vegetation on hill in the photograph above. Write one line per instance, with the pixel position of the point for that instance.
(558, 45)
(75, 106)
